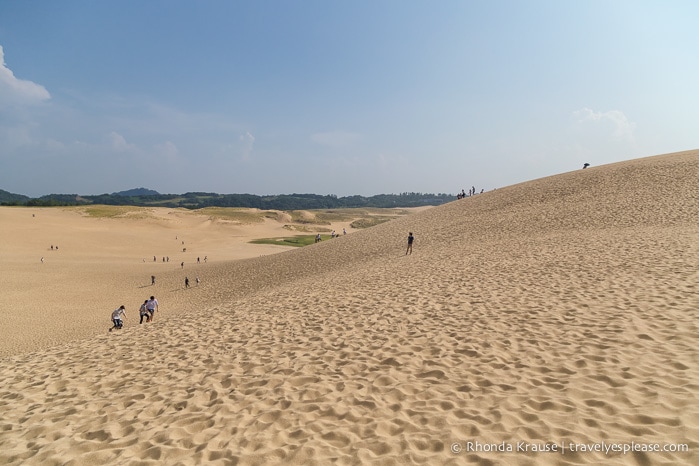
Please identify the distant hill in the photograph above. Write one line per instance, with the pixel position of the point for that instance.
(137, 192)
(197, 200)
(8, 198)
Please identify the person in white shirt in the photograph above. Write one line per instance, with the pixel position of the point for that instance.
(152, 306)
(117, 317)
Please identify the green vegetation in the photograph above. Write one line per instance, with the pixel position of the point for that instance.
(306, 229)
(306, 217)
(298, 241)
(106, 211)
(235, 214)
(7, 198)
(288, 202)
(367, 222)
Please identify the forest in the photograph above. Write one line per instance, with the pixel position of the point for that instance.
(198, 200)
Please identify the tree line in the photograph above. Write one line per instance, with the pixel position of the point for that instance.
(198, 200)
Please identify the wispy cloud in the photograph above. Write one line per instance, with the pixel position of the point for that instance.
(14, 91)
(613, 122)
(119, 144)
(248, 141)
(167, 150)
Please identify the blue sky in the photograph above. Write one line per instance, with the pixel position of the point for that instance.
(330, 97)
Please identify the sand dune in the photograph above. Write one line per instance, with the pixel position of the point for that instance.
(561, 312)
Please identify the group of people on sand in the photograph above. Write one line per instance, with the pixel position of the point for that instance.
(53, 249)
(147, 311)
(186, 281)
(333, 234)
(471, 192)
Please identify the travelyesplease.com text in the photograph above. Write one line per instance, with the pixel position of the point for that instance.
(608, 448)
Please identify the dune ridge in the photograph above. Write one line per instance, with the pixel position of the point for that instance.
(562, 311)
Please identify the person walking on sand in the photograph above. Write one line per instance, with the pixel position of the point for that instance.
(152, 306)
(143, 312)
(152, 279)
(117, 317)
(411, 238)
(186, 282)
(197, 280)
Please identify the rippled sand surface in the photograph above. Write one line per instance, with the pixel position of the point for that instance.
(561, 313)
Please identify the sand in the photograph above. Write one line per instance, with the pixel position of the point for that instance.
(556, 314)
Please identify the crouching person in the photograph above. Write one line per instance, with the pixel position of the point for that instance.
(117, 317)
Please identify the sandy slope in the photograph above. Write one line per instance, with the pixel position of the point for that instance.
(562, 310)
(96, 264)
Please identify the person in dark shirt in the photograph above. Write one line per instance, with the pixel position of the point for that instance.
(410, 244)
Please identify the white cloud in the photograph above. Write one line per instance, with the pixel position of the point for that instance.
(168, 151)
(248, 141)
(335, 138)
(14, 91)
(613, 122)
(118, 142)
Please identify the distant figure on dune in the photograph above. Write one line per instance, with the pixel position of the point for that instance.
(206, 258)
(318, 238)
(117, 316)
(154, 259)
(344, 232)
(42, 259)
(585, 165)
(152, 279)
(411, 238)
(152, 306)
(186, 282)
(198, 260)
(143, 312)
(182, 265)
(198, 280)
